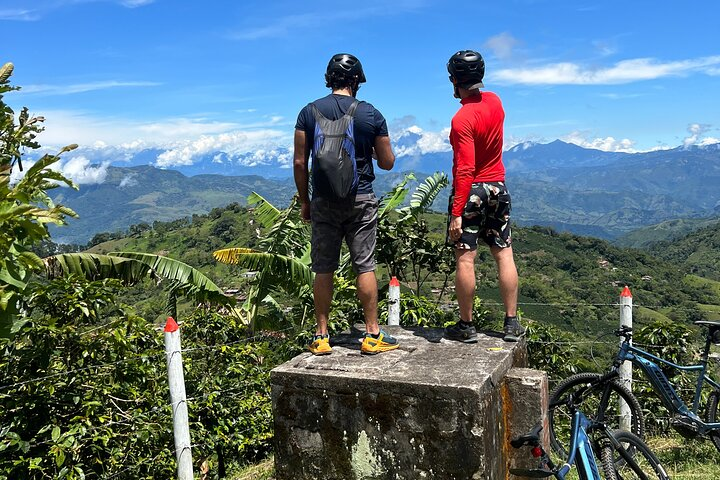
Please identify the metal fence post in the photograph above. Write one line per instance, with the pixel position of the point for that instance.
(176, 380)
(626, 367)
(394, 302)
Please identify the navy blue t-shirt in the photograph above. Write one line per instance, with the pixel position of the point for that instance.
(369, 123)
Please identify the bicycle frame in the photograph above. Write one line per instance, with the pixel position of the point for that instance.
(661, 384)
(581, 453)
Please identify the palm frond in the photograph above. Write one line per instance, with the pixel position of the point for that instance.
(96, 267)
(190, 281)
(395, 197)
(290, 273)
(425, 193)
(265, 212)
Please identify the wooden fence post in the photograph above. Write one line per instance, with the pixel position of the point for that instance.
(176, 379)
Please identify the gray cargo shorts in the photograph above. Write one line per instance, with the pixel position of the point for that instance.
(332, 221)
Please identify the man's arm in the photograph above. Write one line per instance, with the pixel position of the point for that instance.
(301, 156)
(383, 152)
(463, 144)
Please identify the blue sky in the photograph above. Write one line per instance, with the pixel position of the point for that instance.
(191, 77)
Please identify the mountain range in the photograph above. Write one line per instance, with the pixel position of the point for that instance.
(585, 191)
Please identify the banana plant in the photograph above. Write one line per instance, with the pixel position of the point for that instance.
(132, 267)
(284, 262)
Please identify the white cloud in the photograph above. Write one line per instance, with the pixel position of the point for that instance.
(77, 168)
(80, 170)
(64, 126)
(19, 14)
(42, 7)
(288, 25)
(128, 181)
(626, 71)
(413, 140)
(82, 87)
(502, 45)
(607, 144)
(234, 144)
(696, 131)
(136, 3)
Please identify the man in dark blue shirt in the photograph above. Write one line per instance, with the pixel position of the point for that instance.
(355, 220)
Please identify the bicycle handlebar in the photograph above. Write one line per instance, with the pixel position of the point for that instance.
(624, 331)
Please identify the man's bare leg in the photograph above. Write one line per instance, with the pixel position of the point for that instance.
(322, 293)
(368, 295)
(465, 282)
(507, 278)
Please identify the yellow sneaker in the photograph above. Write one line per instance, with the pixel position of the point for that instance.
(320, 345)
(384, 342)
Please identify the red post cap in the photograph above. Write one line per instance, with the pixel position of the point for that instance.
(394, 282)
(171, 325)
(626, 292)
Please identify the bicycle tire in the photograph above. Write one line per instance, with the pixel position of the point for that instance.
(560, 419)
(711, 416)
(616, 468)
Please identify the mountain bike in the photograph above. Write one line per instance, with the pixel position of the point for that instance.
(623, 455)
(598, 393)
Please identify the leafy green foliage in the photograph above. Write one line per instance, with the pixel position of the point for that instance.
(84, 392)
(25, 208)
(405, 244)
(671, 341)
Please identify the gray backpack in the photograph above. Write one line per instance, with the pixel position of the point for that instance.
(333, 155)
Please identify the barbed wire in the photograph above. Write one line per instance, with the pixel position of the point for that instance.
(143, 357)
(173, 453)
(240, 392)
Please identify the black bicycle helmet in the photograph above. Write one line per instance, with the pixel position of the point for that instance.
(467, 69)
(345, 65)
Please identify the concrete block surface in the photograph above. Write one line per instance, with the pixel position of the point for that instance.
(431, 409)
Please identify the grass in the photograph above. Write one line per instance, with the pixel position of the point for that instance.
(687, 459)
(682, 459)
(260, 471)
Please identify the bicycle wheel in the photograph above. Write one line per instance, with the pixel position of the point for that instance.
(711, 416)
(615, 466)
(560, 417)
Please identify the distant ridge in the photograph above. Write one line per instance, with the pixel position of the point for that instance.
(585, 191)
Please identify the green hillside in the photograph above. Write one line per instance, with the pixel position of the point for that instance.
(147, 194)
(698, 251)
(647, 236)
(568, 281)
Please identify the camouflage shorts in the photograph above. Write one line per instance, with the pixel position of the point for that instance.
(486, 216)
(356, 222)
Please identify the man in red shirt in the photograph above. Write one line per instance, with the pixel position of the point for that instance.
(479, 206)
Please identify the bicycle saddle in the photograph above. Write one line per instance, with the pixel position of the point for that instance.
(713, 327)
(531, 438)
(709, 323)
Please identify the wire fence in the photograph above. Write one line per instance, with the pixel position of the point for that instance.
(134, 410)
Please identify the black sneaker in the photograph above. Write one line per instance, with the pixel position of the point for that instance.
(512, 329)
(462, 332)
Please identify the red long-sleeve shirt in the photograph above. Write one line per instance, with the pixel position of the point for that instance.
(476, 137)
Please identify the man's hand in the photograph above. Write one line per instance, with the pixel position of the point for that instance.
(455, 228)
(305, 211)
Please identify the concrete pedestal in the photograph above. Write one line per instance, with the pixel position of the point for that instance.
(431, 409)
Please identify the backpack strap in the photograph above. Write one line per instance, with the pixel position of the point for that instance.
(317, 114)
(353, 107)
